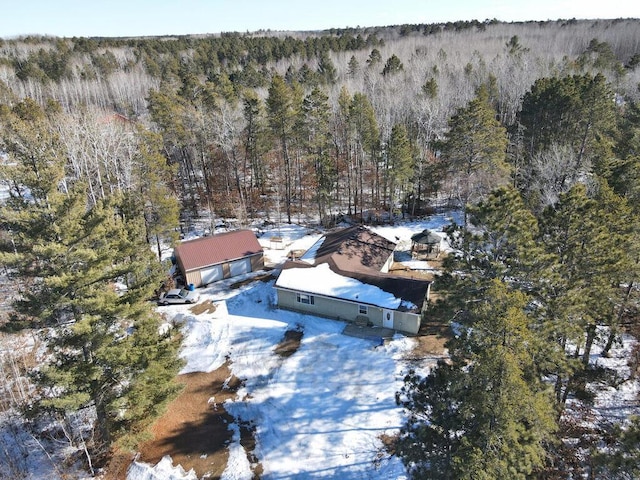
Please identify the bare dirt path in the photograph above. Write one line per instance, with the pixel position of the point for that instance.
(194, 430)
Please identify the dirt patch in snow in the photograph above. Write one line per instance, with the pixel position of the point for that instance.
(431, 340)
(248, 442)
(290, 343)
(118, 466)
(203, 307)
(194, 430)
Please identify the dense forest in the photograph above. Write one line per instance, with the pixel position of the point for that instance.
(114, 145)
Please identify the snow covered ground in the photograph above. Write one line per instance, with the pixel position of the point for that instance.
(319, 413)
(401, 233)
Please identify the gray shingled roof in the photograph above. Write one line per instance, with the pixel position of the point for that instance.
(426, 237)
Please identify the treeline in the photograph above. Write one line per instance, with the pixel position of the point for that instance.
(228, 49)
(545, 272)
(210, 55)
(211, 100)
(86, 198)
(110, 145)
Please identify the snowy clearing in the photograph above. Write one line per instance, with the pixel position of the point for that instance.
(321, 412)
(317, 413)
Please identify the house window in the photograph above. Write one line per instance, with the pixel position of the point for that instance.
(363, 310)
(306, 299)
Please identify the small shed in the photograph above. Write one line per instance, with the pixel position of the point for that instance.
(426, 245)
(209, 259)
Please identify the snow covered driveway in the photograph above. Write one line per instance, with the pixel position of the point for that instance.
(319, 413)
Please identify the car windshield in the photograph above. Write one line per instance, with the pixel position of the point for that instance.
(184, 292)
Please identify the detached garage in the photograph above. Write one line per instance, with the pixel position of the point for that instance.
(209, 259)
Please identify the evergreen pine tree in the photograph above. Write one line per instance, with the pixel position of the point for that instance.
(366, 137)
(159, 204)
(475, 148)
(581, 289)
(487, 414)
(90, 274)
(282, 117)
(430, 88)
(393, 65)
(400, 163)
(625, 174)
(374, 57)
(505, 245)
(573, 112)
(254, 138)
(354, 67)
(315, 110)
(326, 69)
(622, 460)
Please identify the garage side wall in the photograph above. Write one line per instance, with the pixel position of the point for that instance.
(407, 322)
(193, 277)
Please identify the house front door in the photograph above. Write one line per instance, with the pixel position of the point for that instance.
(387, 318)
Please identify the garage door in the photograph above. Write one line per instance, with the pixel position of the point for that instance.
(240, 266)
(211, 274)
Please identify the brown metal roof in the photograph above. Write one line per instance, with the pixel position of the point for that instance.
(220, 248)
